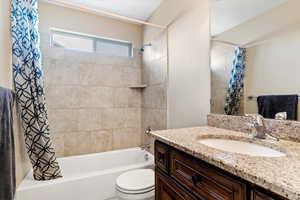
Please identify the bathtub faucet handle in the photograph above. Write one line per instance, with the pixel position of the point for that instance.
(146, 147)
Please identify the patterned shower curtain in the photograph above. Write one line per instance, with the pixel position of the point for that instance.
(28, 81)
(236, 83)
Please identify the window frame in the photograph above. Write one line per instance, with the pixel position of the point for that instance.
(95, 39)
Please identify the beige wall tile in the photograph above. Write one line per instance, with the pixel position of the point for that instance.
(22, 161)
(137, 59)
(121, 97)
(60, 72)
(78, 143)
(135, 98)
(159, 97)
(53, 53)
(102, 141)
(133, 117)
(146, 73)
(114, 60)
(88, 96)
(96, 75)
(63, 120)
(126, 138)
(155, 75)
(113, 118)
(82, 57)
(147, 100)
(59, 144)
(44, 40)
(63, 97)
(155, 118)
(89, 119)
(132, 76)
(96, 97)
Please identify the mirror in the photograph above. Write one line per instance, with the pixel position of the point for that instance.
(255, 63)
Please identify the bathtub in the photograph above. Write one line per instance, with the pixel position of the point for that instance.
(86, 177)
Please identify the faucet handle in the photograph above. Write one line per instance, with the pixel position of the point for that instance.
(258, 120)
(250, 125)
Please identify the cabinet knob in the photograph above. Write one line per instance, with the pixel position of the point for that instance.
(160, 156)
(196, 179)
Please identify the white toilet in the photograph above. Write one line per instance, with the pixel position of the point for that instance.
(136, 185)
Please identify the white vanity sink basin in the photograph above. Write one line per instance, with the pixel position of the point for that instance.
(246, 148)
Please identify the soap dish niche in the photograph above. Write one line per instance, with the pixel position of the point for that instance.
(138, 86)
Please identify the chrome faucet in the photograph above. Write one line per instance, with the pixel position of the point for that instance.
(258, 123)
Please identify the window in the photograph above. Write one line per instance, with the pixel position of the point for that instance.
(91, 44)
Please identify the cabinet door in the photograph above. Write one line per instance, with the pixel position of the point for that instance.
(167, 189)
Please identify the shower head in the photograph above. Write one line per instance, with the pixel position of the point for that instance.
(145, 45)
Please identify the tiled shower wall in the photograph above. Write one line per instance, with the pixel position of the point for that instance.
(91, 108)
(155, 75)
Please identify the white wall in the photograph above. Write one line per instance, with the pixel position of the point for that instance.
(273, 67)
(189, 73)
(52, 16)
(5, 51)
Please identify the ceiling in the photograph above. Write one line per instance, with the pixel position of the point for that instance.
(262, 28)
(138, 9)
(227, 14)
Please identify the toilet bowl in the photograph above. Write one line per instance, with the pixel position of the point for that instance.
(136, 185)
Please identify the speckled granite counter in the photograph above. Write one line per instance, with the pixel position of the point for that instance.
(280, 175)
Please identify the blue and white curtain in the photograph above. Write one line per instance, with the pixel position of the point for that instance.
(236, 83)
(28, 81)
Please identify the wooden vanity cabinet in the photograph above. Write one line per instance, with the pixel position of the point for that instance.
(180, 176)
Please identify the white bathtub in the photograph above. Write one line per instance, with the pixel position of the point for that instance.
(87, 177)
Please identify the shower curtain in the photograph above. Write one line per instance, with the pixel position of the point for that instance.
(28, 81)
(236, 83)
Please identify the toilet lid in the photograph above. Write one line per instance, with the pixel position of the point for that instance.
(136, 181)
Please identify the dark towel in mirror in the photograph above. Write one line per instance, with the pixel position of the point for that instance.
(7, 148)
(269, 106)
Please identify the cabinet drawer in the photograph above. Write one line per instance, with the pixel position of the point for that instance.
(203, 180)
(162, 156)
(258, 195)
(167, 189)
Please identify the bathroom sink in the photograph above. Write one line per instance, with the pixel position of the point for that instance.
(241, 147)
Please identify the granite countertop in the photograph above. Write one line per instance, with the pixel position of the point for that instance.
(280, 175)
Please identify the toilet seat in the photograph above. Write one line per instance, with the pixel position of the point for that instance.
(138, 181)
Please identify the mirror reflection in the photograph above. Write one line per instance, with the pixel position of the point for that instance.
(254, 58)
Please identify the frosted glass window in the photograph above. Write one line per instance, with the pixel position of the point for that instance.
(91, 44)
(113, 48)
(74, 42)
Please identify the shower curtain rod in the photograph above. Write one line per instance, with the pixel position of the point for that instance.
(101, 12)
